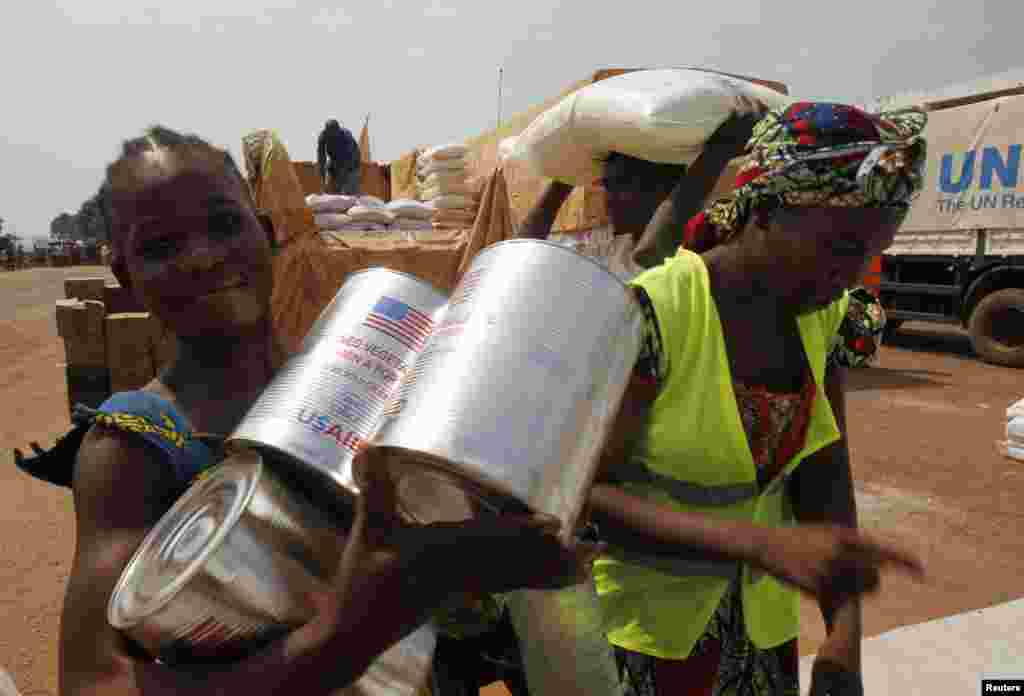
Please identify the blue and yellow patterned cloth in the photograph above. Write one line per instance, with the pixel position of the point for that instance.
(144, 414)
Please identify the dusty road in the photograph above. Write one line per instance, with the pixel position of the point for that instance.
(923, 427)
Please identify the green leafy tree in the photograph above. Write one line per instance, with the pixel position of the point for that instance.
(64, 227)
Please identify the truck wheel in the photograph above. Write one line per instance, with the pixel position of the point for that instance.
(997, 328)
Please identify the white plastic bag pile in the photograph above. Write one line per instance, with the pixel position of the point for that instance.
(411, 215)
(340, 213)
(442, 182)
(1014, 445)
(657, 115)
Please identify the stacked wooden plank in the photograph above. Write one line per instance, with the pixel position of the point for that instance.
(110, 343)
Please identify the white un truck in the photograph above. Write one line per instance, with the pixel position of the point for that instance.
(959, 257)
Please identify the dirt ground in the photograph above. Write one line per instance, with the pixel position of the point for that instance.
(923, 427)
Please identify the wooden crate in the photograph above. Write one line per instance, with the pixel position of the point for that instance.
(129, 350)
(85, 288)
(119, 299)
(81, 326)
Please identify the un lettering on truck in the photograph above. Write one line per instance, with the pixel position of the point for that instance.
(974, 175)
(959, 256)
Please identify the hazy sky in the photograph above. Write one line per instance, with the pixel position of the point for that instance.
(79, 77)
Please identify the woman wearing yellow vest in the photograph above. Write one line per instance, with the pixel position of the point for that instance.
(736, 415)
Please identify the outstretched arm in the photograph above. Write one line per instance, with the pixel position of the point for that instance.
(664, 232)
(540, 219)
(816, 558)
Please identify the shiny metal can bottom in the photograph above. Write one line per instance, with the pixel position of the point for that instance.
(431, 489)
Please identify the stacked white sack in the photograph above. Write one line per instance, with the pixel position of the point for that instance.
(1013, 447)
(340, 213)
(411, 215)
(442, 182)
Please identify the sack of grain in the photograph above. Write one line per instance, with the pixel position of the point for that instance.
(327, 203)
(438, 184)
(506, 148)
(370, 202)
(447, 152)
(1015, 409)
(405, 208)
(456, 168)
(657, 115)
(361, 214)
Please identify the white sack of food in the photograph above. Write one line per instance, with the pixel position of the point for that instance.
(331, 221)
(1015, 409)
(328, 203)
(459, 188)
(362, 214)
(370, 202)
(1015, 431)
(408, 208)
(443, 177)
(446, 152)
(506, 148)
(657, 115)
(425, 169)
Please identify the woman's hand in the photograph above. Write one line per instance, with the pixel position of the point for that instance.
(486, 555)
(832, 679)
(831, 560)
(730, 139)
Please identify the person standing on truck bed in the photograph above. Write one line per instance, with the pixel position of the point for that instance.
(338, 157)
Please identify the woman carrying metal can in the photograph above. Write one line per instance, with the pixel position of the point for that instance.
(188, 243)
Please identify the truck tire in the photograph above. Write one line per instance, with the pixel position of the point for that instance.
(996, 327)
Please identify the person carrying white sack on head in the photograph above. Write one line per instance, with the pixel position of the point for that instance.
(649, 202)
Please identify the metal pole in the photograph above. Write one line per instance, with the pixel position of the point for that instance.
(501, 73)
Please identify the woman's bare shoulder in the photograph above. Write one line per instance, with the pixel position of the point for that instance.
(120, 481)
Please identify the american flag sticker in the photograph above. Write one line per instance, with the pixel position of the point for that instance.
(401, 322)
(467, 286)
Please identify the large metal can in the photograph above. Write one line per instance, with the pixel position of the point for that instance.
(509, 404)
(232, 566)
(331, 395)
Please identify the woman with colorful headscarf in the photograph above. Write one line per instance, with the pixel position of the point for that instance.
(737, 413)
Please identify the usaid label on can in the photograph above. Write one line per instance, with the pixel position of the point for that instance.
(517, 387)
(330, 397)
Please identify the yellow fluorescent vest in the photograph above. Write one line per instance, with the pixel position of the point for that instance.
(695, 457)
